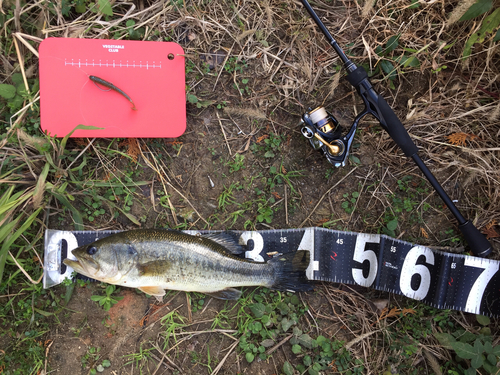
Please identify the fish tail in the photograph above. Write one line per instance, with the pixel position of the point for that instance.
(289, 270)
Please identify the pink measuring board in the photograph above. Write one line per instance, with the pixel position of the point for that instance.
(152, 74)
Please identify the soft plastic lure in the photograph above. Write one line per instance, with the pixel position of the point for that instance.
(110, 86)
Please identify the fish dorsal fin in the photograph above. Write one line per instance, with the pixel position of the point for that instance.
(227, 240)
(153, 290)
(228, 293)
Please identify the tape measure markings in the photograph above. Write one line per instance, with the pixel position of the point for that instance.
(441, 280)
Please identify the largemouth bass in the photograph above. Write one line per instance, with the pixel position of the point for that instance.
(155, 260)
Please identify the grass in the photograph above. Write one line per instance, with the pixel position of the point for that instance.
(436, 63)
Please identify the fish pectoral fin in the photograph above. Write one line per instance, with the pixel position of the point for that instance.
(228, 293)
(153, 290)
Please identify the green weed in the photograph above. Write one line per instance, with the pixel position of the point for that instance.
(243, 87)
(103, 7)
(227, 196)
(488, 25)
(350, 201)
(197, 301)
(476, 352)
(322, 354)
(270, 145)
(107, 300)
(15, 95)
(408, 196)
(100, 367)
(93, 209)
(280, 175)
(390, 63)
(200, 103)
(272, 315)
(264, 213)
(234, 64)
(171, 322)
(140, 359)
(90, 357)
(237, 164)
(134, 33)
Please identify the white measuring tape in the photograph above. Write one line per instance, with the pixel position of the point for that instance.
(441, 280)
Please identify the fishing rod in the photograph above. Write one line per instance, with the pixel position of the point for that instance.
(325, 134)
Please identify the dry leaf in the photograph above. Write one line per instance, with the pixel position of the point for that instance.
(408, 311)
(424, 233)
(489, 230)
(394, 312)
(320, 223)
(132, 145)
(276, 195)
(81, 141)
(459, 139)
(386, 313)
(261, 138)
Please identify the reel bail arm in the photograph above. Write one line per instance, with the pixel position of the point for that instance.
(378, 107)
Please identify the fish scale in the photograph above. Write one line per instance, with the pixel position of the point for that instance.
(195, 267)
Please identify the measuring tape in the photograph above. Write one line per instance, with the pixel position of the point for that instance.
(442, 280)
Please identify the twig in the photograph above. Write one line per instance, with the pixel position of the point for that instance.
(21, 65)
(223, 64)
(324, 195)
(12, 295)
(29, 46)
(360, 338)
(162, 179)
(165, 356)
(277, 58)
(224, 133)
(25, 273)
(275, 347)
(219, 366)
(80, 154)
(286, 206)
(22, 112)
(47, 354)
(206, 306)
(449, 119)
(160, 362)
(188, 302)
(359, 195)
(187, 200)
(471, 150)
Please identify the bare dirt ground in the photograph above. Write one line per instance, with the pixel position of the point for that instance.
(253, 68)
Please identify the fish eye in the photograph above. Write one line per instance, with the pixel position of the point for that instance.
(91, 250)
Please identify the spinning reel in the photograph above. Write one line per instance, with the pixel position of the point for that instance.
(325, 134)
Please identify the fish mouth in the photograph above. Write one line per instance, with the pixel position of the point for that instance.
(87, 267)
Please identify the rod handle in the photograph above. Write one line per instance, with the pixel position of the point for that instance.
(395, 128)
(478, 243)
(384, 113)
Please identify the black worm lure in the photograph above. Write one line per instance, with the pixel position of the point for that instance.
(112, 87)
